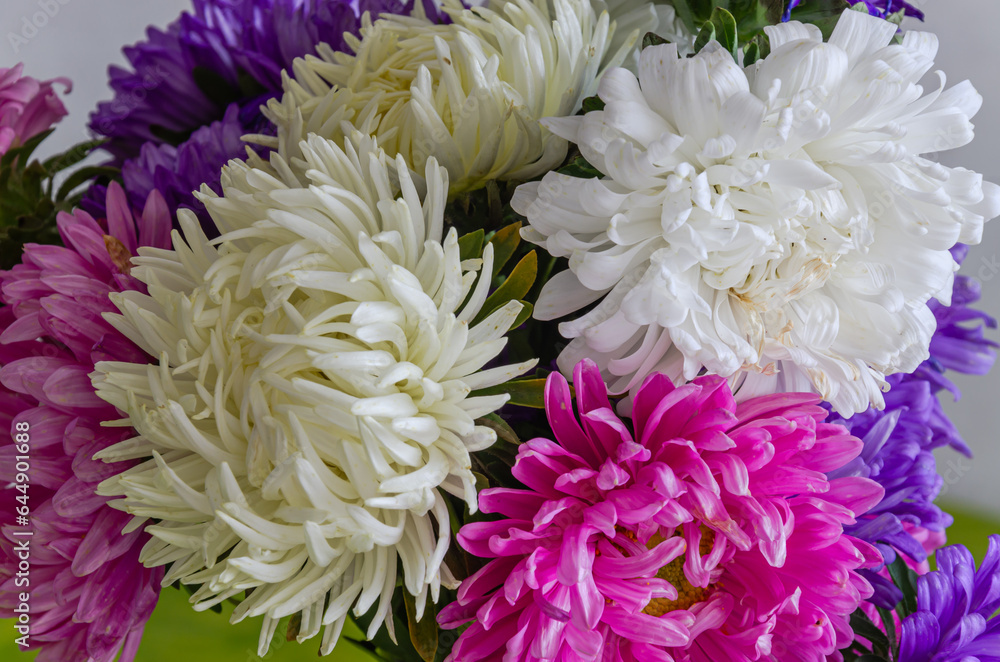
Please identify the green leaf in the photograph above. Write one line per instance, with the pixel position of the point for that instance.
(652, 39)
(741, 8)
(906, 581)
(821, 13)
(685, 13)
(725, 30)
(523, 393)
(23, 152)
(701, 9)
(580, 167)
(505, 241)
(889, 625)
(751, 54)
(764, 43)
(72, 156)
(593, 103)
(504, 431)
(517, 284)
(83, 175)
(482, 482)
(773, 11)
(470, 246)
(862, 625)
(401, 649)
(423, 633)
(896, 17)
(524, 315)
(705, 35)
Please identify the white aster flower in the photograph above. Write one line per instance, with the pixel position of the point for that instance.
(312, 395)
(469, 93)
(776, 224)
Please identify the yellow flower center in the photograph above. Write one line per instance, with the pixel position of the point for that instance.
(687, 594)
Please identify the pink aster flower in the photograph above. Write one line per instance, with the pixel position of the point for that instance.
(90, 596)
(27, 106)
(706, 531)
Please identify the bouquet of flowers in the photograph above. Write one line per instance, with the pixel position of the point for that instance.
(529, 330)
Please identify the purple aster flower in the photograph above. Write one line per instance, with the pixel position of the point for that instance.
(899, 439)
(226, 54)
(956, 607)
(176, 172)
(959, 343)
(897, 454)
(90, 595)
(226, 51)
(880, 8)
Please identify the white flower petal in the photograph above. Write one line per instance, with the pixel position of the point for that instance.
(311, 395)
(469, 93)
(782, 229)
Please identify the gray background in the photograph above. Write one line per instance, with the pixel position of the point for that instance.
(83, 36)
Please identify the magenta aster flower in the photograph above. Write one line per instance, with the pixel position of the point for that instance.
(705, 531)
(90, 596)
(27, 106)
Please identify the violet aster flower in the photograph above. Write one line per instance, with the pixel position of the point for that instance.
(711, 533)
(899, 439)
(897, 454)
(176, 172)
(27, 106)
(880, 8)
(959, 342)
(225, 51)
(956, 608)
(90, 595)
(189, 76)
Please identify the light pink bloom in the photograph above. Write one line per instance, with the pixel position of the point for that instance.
(704, 531)
(90, 596)
(27, 106)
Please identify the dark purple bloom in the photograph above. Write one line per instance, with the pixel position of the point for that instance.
(880, 8)
(956, 604)
(186, 80)
(178, 171)
(226, 51)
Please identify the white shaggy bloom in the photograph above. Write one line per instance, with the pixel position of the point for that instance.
(469, 93)
(312, 393)
(776, 224)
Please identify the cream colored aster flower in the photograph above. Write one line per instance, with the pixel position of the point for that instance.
(312, 395)
(469, 93)
(776, 224)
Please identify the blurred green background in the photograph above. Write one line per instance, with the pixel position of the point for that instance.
(175, 630)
